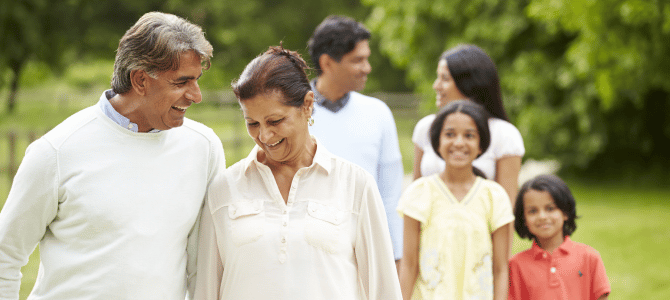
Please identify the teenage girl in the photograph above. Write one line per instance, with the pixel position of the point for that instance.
(456, 243)
(555, 267)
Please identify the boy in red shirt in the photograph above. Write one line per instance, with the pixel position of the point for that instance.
(555, 267)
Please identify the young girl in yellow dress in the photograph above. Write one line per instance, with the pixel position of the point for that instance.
(456, 241)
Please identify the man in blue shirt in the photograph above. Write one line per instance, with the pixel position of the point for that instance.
(356, 127)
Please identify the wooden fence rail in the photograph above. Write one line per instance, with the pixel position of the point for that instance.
(12, 149)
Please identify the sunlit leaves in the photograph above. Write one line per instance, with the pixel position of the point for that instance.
(568, 69)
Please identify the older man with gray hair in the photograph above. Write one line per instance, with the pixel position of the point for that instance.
(113, 194)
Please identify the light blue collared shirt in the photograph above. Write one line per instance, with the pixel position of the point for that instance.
(118, 118)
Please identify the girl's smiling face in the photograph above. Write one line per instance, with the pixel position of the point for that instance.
(459, 141)
(543, 218)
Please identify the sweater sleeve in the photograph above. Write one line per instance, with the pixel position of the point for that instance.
(31, 206)
(389, 177)
(217, 164)
(374, 258)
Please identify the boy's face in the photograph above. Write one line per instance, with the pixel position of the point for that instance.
(543, 218)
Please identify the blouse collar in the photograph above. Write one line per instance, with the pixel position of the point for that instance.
(321, 158)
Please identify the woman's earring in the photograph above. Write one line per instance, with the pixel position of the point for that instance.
(310, 121)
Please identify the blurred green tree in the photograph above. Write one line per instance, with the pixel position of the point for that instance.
(586, 82)
(241, 30)
(34, 30)
(60, 32)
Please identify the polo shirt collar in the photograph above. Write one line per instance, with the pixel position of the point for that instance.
(563, 249)
(322, 157)
(333, 106)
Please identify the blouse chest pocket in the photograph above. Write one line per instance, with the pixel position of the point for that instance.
(246, 221)
(326, 228)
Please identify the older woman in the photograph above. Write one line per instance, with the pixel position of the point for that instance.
(291, 221)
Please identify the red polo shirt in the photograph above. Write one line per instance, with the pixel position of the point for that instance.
(573, 271)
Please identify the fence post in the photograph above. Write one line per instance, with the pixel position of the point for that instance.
(11, 168)
(32, 136)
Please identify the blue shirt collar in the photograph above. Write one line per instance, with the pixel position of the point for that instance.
(333, 106)
(118, 118)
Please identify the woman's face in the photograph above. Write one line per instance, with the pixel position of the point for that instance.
(278, 129)
(445, 86)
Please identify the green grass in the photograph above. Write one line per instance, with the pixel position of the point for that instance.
(628, 225)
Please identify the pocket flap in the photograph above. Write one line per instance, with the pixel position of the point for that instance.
(240, 209)
(326, 213)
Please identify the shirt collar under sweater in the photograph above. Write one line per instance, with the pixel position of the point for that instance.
(333, 106)
(118, 118)
(321, 157)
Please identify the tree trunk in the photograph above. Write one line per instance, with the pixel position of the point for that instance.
(17, 67)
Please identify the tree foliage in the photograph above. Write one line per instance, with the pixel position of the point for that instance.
(584, 81)
(60, 32)
(39, 30)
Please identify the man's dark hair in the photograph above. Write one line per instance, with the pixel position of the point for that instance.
(335, 36)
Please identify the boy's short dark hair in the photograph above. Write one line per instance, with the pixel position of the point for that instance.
(335, 36)
(558, 191)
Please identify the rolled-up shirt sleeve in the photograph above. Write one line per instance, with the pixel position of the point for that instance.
(376, 266)
(209, 265)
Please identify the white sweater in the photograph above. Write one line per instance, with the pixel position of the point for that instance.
(113, 211)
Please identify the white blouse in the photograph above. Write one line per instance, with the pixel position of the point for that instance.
(329, 241)
(505, 141)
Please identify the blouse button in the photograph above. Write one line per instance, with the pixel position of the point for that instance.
(285, 224)
(552, 270)
(544, 255)
(283, 240)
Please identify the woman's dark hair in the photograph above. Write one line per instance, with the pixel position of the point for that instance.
(476, 77)
(563, 199)
(335, 36)
(478, 115)
(277, 69)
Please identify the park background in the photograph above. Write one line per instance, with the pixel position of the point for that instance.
(587, 82)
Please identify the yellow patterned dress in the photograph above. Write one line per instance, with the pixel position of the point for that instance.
(455, 250)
